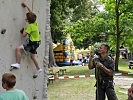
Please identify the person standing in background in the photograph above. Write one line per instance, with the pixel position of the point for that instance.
(104, 71)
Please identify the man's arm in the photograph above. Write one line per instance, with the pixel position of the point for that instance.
(25, 5)
(106, 70)
(90, 64)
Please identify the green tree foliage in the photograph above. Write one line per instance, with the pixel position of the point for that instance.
(59, 11)
(81, 10)
(87, 25)
(114, 25)
(86, 32)
(125, 20)
(67, 13)
(121, 13)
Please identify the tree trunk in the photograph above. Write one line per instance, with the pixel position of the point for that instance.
(117, 52)
(117, 36)
(51, 54)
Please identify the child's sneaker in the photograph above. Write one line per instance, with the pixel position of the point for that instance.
(37, 73)
(15, 66)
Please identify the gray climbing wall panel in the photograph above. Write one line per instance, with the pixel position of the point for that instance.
(12, 19)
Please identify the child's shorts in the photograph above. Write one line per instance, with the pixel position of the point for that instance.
(31, 46)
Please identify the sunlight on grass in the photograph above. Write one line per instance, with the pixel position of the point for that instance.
(82, 88)
(77, 89)
(79, 70)
(120, 95)
(123, 66)
(76, 70)
(72, 89)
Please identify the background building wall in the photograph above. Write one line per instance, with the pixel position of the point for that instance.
(12, 19)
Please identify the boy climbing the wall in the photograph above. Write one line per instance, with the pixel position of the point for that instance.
(33, 43)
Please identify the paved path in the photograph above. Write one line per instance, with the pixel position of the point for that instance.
(123, 82)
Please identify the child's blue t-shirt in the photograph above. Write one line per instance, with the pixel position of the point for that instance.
(15, 94)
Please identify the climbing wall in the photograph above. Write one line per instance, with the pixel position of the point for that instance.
(12, 19)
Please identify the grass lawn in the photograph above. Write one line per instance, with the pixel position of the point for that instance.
(77, 89)
(120, 95)
(75, 70)
(82, 88)
(83, 70)
(123, 66)
(72, 89)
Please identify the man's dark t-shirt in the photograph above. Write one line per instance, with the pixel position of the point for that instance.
(108, 63)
